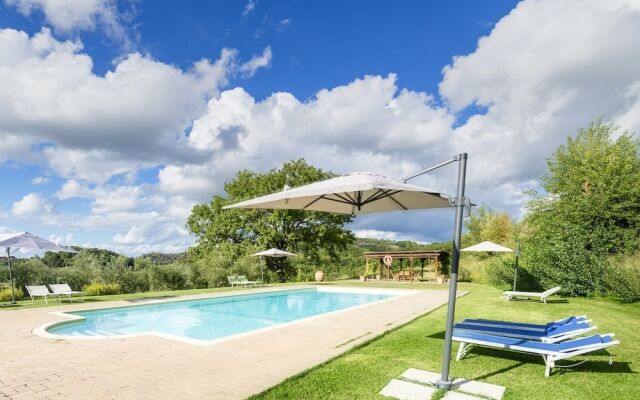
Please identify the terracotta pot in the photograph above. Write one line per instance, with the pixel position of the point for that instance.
(440, 280)
(363, 279)
(319, 276)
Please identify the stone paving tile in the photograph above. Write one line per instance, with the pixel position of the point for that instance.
(480, 388)
(460, 396)
(34, 367)
(403, 390)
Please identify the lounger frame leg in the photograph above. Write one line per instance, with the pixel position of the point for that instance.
(463, 350)
(548, 366)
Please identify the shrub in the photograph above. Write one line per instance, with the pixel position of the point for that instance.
(76, 276)
(5, 294)
(97, 288)
(133, 281)
(31, 272)
(499, 271)
(473, 269)
(130, 281)
(169, 277)
(623, 278)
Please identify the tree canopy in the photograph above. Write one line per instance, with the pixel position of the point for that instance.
(589, 209)
(485, 224)
(307, 232)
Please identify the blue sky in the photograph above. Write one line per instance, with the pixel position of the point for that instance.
(121, 115)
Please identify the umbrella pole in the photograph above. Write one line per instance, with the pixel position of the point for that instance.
(262, 270)
(515, 270)
(445, 380)
(13, 295)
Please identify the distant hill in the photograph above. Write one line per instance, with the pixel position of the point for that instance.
(366, 244)
(163, 258)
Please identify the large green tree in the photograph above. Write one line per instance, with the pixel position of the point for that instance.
(589, 210)
(307, 232)
(485, 224)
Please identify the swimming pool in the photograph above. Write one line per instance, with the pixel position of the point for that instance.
(208, 320)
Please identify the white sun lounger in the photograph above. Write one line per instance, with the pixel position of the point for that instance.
(532, 295)
(550, 352)
(242, 280)
(39, 291)
(62, 289)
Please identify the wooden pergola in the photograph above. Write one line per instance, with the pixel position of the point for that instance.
(432, 259)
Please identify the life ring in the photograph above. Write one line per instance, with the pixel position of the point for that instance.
(387, 260)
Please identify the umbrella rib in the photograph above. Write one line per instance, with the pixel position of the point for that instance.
(397, 202)
(338, 201)
(313, 202)
(374, 197)
(342, 200)
(380, 195)
(348, 200)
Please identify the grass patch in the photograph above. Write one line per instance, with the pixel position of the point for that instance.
(362, 372)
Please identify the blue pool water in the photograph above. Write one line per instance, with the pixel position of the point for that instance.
(214, 318)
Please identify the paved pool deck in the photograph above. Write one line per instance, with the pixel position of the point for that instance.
(148, 367)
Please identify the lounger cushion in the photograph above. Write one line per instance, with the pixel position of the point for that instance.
(522, 333)
(507, 342)
(520, 325)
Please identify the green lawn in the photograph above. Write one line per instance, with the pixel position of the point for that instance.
(362, 372)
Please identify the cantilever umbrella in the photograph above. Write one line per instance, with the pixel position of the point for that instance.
(365, 192)
(273, 252)
(26, 240)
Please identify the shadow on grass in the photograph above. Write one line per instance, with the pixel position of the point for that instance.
(437, 335)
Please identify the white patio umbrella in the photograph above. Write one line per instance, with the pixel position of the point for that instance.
(273, 252)
(26, 240)
(356, 193)
(488, 246)
(364, 192)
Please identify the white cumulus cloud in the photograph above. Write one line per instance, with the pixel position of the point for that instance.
(70, 16)
(33, 204)
(256, 62)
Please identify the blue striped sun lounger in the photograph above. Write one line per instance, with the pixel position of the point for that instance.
(552, 332)
(550, 352)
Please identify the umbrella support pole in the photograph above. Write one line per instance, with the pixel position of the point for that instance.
(13, 294)
(459, 203)
(445, 381)
(515, 269)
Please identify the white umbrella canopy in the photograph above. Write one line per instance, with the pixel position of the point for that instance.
(355, 193)
(27, 240)
(274, 253)
(488, 246)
